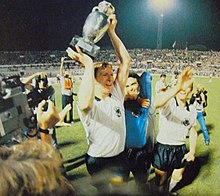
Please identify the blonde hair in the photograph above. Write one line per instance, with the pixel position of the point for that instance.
(100, 65)
(32, 168)
(199, 87)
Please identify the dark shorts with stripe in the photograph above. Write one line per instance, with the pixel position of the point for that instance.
(167, 157)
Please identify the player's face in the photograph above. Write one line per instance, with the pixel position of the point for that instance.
(105, 77)
(131, 90)
(163, 78)
(183, 94)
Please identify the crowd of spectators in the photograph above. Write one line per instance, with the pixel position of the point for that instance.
(205, 63)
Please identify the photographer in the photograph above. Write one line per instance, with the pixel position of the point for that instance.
(41, 91)
(50, 118)
(199, 99)
(32, 167)
(15, 116)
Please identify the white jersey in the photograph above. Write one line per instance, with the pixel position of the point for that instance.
(105, 125)
(158, 86)
(175, 123)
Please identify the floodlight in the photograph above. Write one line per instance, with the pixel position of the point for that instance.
(162, 5)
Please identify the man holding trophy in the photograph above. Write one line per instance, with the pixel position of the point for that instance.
(101, 110)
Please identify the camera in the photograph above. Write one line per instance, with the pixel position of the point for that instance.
(15, 114)
(38, 94)
(198, 95)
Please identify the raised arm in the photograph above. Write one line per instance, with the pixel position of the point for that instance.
(184, 81)
(47, 119)
(28, 79)
(162, 98)
(61, 67)
(121, 52)
(86, 92)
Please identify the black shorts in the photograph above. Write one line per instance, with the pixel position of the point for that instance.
(104, 168)
(168, 157)
(139, 163)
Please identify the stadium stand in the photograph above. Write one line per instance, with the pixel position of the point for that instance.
(205, 63)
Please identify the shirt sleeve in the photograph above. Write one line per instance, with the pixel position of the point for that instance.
(117, 92)
(194, 114)
(167, 109)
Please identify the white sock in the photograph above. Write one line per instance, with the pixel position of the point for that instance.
(172, 184)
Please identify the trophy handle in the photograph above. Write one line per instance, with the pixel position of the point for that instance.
(112, 8)
(96, 8)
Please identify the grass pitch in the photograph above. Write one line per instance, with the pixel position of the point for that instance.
(201, 177)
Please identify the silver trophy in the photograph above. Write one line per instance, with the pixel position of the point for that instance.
(95, 26)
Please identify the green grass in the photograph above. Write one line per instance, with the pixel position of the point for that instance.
(202, 175)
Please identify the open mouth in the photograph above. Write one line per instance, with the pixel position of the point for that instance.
(109, 85)
(134, 91)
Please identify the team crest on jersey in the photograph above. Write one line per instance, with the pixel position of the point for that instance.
(186, 122)
(117, 111)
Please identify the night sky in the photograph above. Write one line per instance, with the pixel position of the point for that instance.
(50, 25)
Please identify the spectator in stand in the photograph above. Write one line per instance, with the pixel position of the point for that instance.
(100, 103)
(199, 100)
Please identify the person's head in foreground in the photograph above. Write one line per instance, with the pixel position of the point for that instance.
(32, 168)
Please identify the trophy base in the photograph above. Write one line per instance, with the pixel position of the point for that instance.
(88, 48)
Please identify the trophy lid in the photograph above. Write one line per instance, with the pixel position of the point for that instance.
(106, 8)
